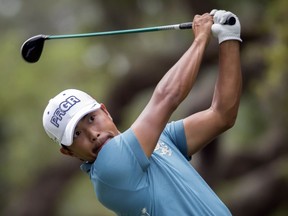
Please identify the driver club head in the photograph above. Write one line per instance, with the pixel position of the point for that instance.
(32, 48)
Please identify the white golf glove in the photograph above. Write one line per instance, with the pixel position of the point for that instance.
(223, 31)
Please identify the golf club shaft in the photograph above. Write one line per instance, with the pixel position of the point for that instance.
(32, 48)
(128, 31)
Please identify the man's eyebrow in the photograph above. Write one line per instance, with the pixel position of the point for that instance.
(82, 119)
(85, 116)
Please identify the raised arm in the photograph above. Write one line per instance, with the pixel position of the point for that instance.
(204, 126)
(173, 88)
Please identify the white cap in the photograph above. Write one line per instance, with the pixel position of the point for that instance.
(64, 111)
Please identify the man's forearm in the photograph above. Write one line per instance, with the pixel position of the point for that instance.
(229, 83)
(179, 80)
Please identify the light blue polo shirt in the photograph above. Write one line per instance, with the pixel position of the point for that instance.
(131, 184)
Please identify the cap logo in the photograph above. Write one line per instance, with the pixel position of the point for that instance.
(63, 108)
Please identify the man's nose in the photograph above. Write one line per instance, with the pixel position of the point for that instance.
(93, 135)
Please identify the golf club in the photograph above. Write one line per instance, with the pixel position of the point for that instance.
(31, 49)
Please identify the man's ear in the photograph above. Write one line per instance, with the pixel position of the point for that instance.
(66, 151)
(103, 107)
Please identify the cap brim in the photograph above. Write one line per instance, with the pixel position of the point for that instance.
(67, 138)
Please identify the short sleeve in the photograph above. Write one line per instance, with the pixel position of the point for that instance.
(175, 132)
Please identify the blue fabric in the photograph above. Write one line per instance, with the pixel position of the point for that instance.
(130, 184)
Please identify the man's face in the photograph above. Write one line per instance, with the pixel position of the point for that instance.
(92, 132)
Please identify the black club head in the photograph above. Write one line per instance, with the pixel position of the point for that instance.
(32, 48)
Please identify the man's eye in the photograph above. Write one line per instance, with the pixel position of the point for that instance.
(91, 119)
(77, 134)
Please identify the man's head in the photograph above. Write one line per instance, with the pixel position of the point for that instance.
(79, 124)
(64, 111)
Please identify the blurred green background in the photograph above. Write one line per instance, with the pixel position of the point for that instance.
(247, 166)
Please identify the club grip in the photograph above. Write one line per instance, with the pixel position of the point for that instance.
(188, 25)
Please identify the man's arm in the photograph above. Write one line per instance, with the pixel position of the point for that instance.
(173, 88)
(204, 126)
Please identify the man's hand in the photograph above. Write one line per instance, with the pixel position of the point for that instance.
(223, 31)
(202, 26)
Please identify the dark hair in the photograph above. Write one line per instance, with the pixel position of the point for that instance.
(65, 147)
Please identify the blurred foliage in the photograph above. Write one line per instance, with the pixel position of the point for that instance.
(97, 64)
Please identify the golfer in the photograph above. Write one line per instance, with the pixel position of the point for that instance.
(145, 170)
